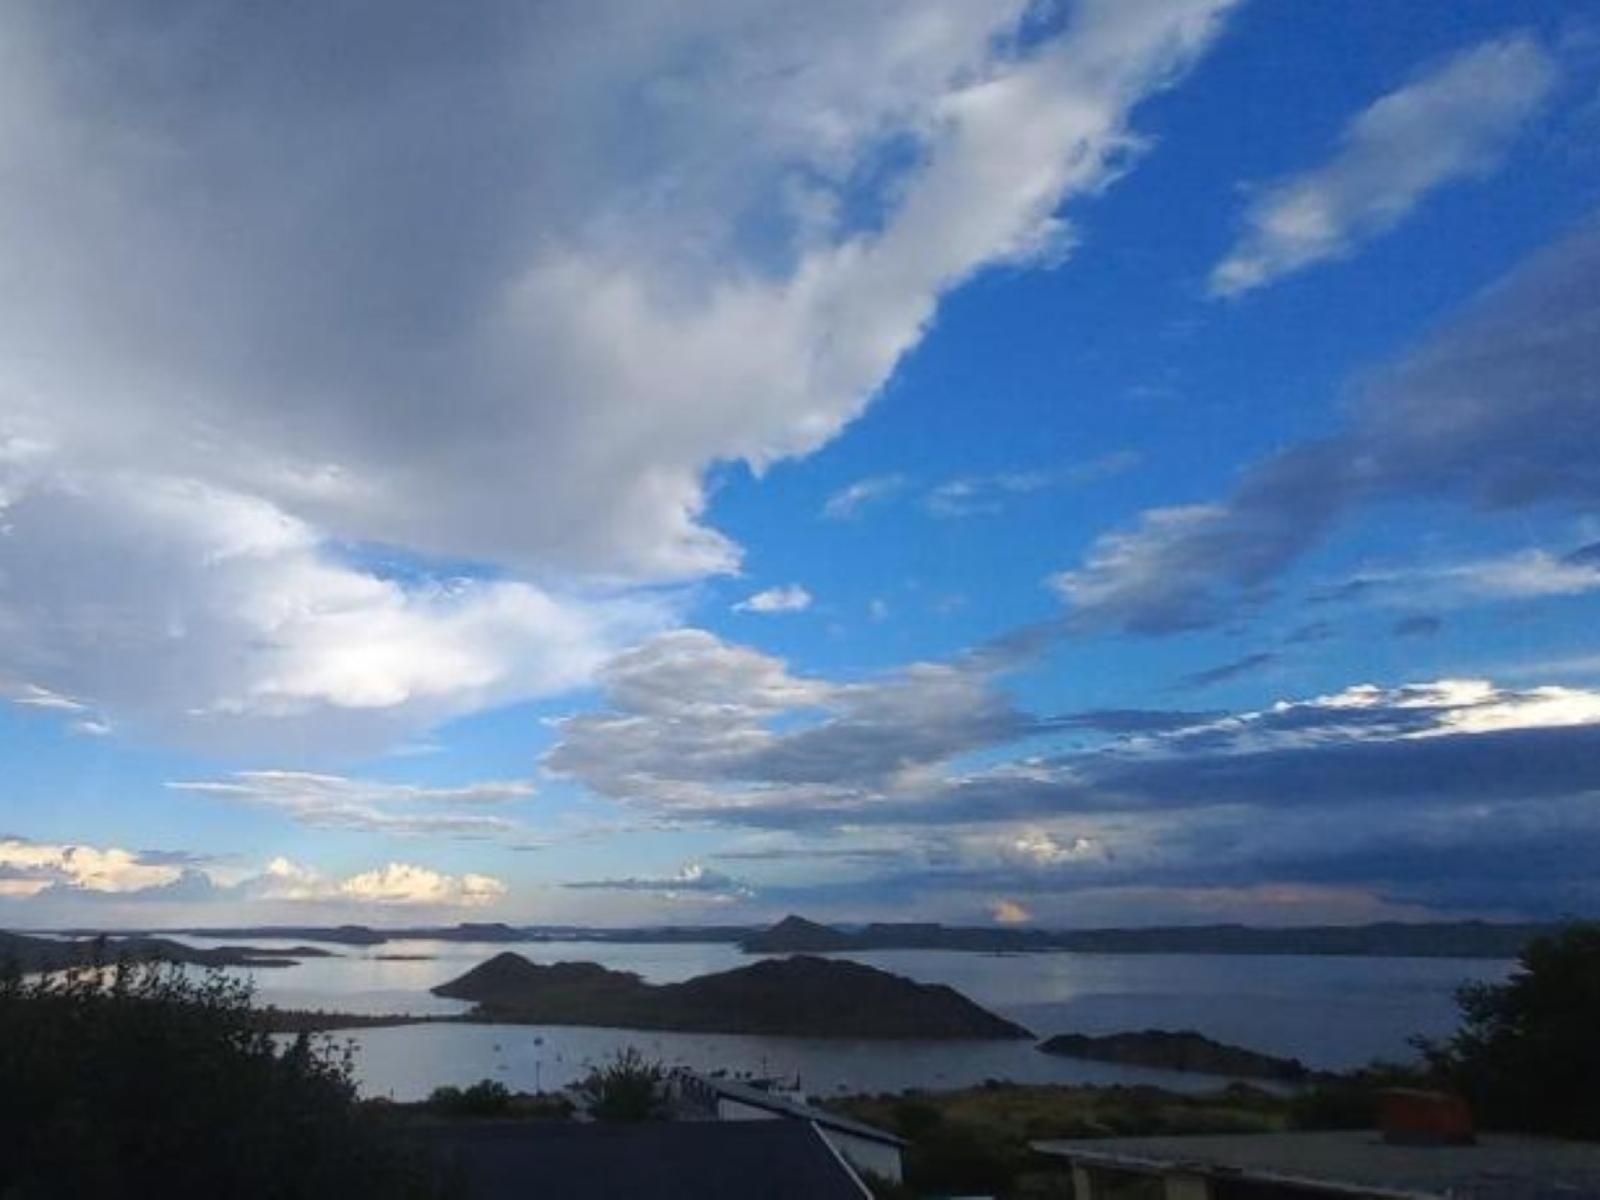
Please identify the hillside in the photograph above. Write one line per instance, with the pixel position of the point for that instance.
(1183, 1050)
(802, 996)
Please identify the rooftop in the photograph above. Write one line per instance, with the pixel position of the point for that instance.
(1503, 1167)
(706, 1160)
(788, 1106)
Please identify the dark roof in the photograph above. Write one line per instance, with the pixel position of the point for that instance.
(677, 1160)
(773, 1102)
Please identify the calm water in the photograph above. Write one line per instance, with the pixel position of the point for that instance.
(1329, 1012)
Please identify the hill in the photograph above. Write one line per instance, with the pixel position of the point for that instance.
(51, 954)
(802, 996)
(1391, 939)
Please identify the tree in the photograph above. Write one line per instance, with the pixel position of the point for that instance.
(628, 1088)
(139, 1079)
(1527, 1053)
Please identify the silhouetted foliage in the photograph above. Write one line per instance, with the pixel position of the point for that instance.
(141, 1080)
(486, 1098)
(1527, 1053)
(1350, 1100)
(629, 1087)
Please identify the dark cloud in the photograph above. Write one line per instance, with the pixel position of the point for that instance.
(1226, 671)
(1497, 410)
(1314, 631)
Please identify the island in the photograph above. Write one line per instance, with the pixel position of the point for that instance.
(803, 996)
(1180, 1050)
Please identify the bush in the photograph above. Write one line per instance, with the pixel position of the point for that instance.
(628, 1088)
(1527, 1054)
(486, 1098)
(143, 1080)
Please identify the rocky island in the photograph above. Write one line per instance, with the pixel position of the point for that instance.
(803, 996)
(1181, 1050)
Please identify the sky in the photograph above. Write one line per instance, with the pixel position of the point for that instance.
(1084, 463)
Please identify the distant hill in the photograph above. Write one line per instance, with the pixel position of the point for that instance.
(796, 997)
(796, 935)
(1457, 939)
(52, 954)
(1184, 1050)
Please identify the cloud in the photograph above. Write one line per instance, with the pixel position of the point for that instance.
(786, 599)
(1009, 912)
(1247, 665)
(693, 878)
(45, 874)
(389, 318)
(1493, 410)
(982, 495)
(849, 501)
(338, 802)
(214, 618)
(1418, 626)
(1454, 123)
(918, 765)
(28, 868)
(689, 725)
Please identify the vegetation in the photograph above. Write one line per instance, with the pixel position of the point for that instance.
(976, 1140)
(629, 1087)
(1527, 1053)
(142, 1079)
(486, 1098)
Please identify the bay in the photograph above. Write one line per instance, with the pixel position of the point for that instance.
(1332, 1013)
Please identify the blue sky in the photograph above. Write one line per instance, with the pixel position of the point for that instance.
(1081, 463)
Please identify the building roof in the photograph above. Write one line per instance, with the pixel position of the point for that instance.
(776, 1102)
(680, 1160)
(1361, 1163)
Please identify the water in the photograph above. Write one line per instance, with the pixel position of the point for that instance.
(1329, 1012)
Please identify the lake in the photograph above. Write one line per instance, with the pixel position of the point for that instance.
(1329, 1012)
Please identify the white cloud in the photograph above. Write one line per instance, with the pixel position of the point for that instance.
(28, 868)
(982, 495)
(215, 618)
(338, 802)
(850, 500)
(1453, 123)
(391, 316)
(405, 884)
(786, 599)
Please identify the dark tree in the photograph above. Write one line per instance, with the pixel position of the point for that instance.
(1527, 1054)
(138, 1080)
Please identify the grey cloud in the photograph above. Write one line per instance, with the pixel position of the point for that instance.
(1418, 626)
(1495, 410)
(693, 878)
(1225, 671)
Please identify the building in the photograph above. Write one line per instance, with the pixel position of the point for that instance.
(675, 1160)
(1351, 1165)
(866, 1148)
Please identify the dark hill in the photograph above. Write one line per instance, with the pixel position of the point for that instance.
(1184, 1050)
(796, 935)
(802, 996)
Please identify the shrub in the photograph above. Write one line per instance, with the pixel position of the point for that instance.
(486, 1098)
(628, 1088)
(144, 1080)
